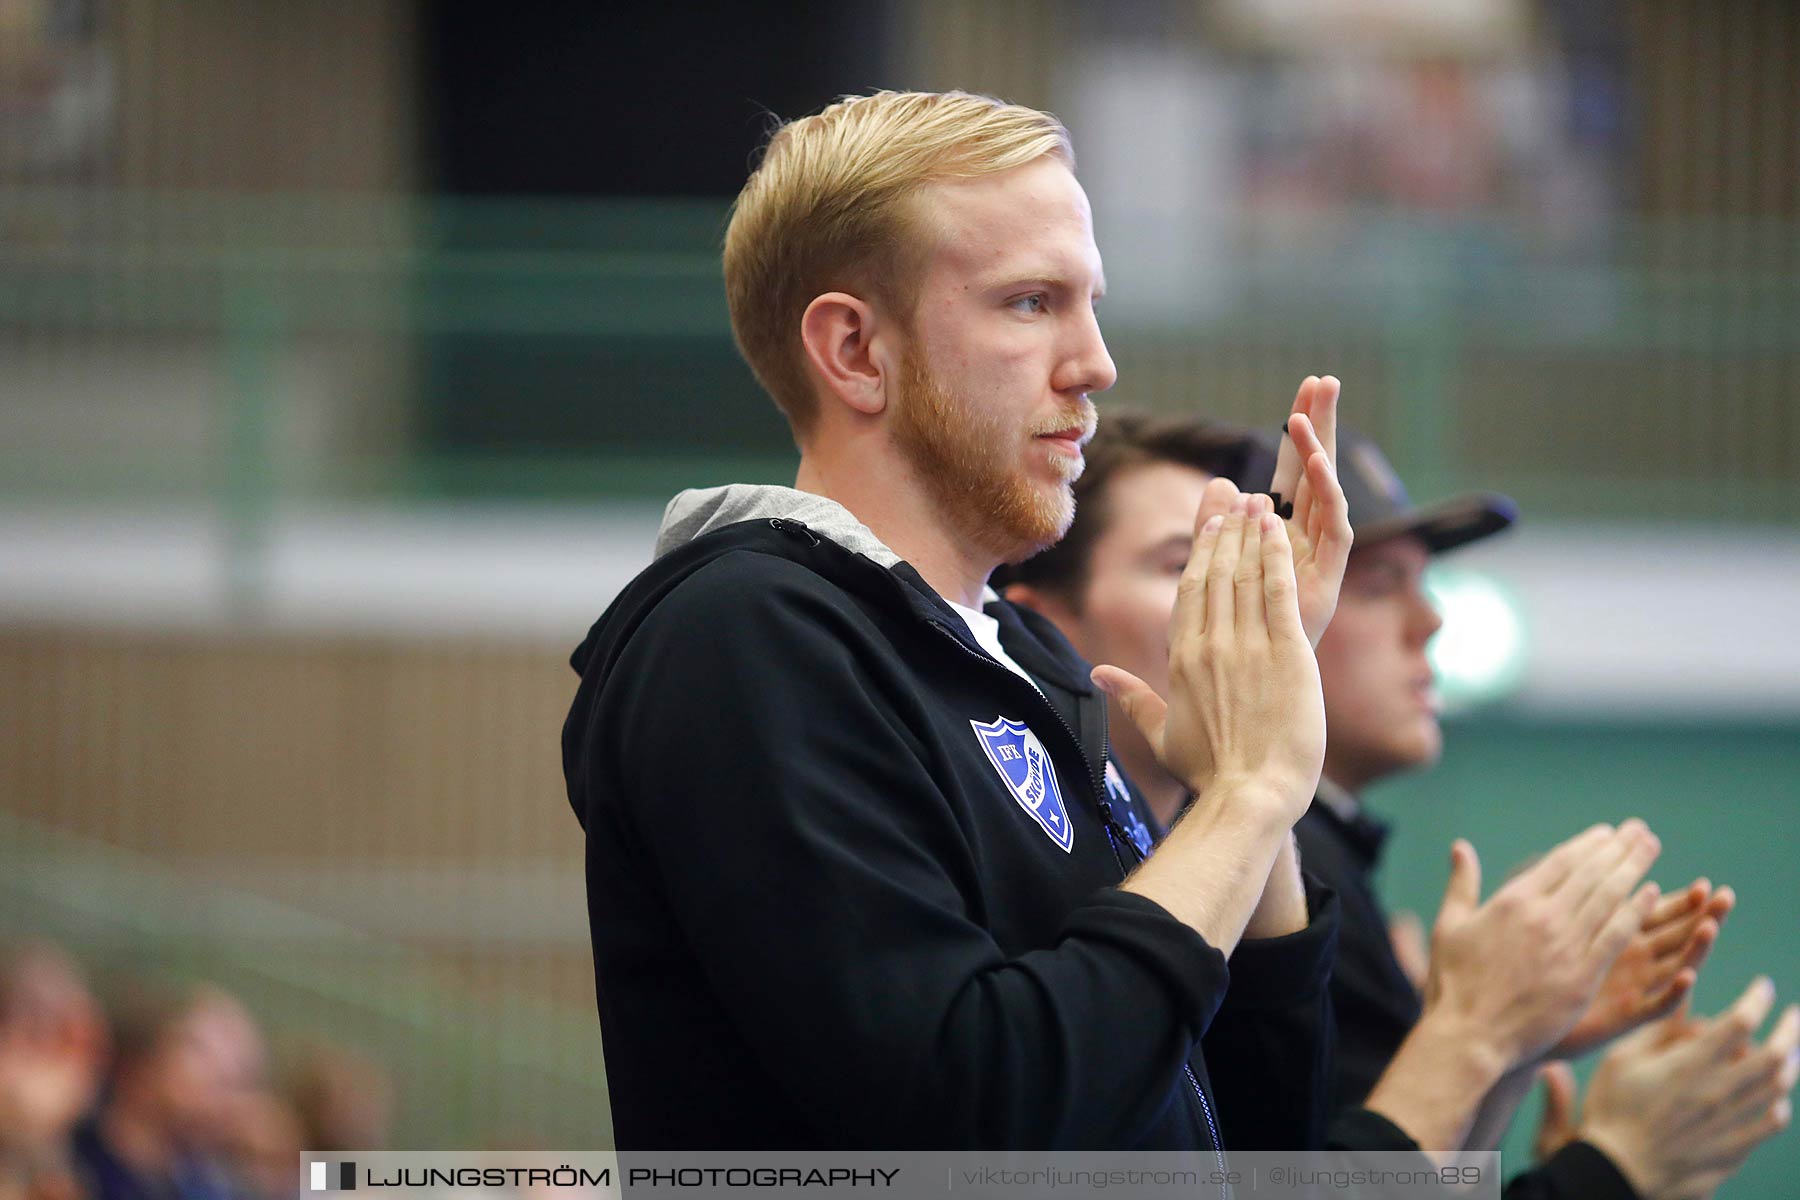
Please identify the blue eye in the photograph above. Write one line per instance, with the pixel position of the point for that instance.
(1033, 303)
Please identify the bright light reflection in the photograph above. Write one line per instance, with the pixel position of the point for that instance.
(1479, 654)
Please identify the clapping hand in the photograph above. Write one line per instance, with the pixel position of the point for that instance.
(1318, 528)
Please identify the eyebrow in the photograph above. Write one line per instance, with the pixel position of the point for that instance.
(1384, 570)
(1183, 542)
(1044, 282)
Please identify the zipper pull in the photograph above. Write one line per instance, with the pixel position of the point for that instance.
(789, 525)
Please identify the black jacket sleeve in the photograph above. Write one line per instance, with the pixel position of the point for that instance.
(1579, 1171)
(824, 882)
(1366, 1129)
(1268, 1052)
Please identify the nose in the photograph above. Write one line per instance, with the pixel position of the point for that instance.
(1426, 620)
(1086, 365)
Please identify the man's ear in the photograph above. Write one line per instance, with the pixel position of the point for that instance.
(1042, 600)
(837, 331)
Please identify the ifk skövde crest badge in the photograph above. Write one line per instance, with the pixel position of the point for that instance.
(1024, 766)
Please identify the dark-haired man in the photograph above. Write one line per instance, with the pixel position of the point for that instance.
(1503, 994)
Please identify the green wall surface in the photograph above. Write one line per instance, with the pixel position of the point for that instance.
(1722, 797)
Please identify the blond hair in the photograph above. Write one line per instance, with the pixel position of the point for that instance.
(826, 211)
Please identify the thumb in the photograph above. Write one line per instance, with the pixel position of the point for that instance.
(1556, 1128)
(1731, 1030)
(1663, 1033)
(1407, 934)
(1462, 895)
(1678, 1024)
(1147, 710)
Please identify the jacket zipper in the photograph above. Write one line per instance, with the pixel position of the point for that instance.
(1111, 823)
(1106, 810)
(1114, 834)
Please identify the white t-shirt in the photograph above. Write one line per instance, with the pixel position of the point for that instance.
(987, 633)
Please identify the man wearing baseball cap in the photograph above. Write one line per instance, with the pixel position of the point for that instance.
(1504, 995)
(1405, 1067)
(1382, 713)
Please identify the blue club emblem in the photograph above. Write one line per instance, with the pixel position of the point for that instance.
(1134, 824)
(1025, 767)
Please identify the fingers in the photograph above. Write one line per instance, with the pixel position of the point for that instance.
(1330, 532)
(1626, 862)
(1760, 1077)
(1626, 919)
(1785, 1042)
(1281, 593)
(1305, 441)
(1247, 590)
(1732, 1153)
(1221, 572)
(1721, 904)
(1287, 458)
(1732, 1029)
(1770, 1072)
(1783, 1045)
(1190, 616)
(1215, 500)
(1147, 710)
(1625, 845)
(1685, 943)
(1681, 933)
(1323, 413)
(1462, 895)
(1597, 866)
(1674, 994)
(1699, 945)
(1672, 925)
(1683, 918)
(1679, 906)
(1552, 870)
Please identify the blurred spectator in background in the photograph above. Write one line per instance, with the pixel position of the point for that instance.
(259, 1144)
(184, 1061)
(52, 1049)
(187, 1111)
(344, 1101)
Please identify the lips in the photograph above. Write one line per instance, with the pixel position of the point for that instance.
(1076, 432)
(1071, 439)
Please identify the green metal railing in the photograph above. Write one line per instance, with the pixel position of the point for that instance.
(583, 350)
(471, 1068)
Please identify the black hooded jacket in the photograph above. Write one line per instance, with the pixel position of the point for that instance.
(824, 914)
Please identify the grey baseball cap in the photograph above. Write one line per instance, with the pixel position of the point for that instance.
(1380, 508)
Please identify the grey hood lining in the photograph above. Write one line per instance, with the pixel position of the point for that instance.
(699, 511)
